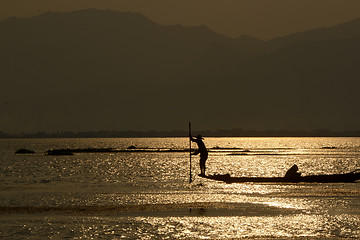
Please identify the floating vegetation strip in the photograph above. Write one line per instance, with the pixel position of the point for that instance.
(24, 151)
(69, 151)
(130, 149)
(172, 209)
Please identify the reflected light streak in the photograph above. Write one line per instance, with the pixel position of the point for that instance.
(238, 227)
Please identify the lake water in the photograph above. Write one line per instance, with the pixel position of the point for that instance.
(147, 195)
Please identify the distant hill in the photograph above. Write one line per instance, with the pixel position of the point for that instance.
(105, 70)
(340, 32)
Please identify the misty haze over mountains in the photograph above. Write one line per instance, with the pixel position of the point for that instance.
(105, 70)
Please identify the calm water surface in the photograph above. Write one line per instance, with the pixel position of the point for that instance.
(147, 195)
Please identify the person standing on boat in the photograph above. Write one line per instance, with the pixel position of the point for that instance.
(202, 150)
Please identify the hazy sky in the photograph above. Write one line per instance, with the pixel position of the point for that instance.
(264, 19)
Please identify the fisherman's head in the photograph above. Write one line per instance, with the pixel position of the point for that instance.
(199, 136)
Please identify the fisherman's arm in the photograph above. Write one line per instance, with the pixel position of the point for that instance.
(196, 152)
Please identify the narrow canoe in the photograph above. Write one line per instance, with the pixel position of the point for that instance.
(333, 178)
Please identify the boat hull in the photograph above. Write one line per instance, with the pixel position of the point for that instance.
(347, 177)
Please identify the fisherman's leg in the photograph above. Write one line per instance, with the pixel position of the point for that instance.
(204, 168)
(205, 158)
(202, 165)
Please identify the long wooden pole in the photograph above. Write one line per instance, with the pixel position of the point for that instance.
(190, 180)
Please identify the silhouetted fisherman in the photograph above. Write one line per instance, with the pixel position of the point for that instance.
(293, 173)
(202, 150)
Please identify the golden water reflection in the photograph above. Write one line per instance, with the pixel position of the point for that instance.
(185, 227)
(164, 205)
(300, 225)
(198, 227)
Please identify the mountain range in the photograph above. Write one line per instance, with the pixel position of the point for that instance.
(105, 70)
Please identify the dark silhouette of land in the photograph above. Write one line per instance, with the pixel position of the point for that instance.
(207, 133)
(97, 69)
